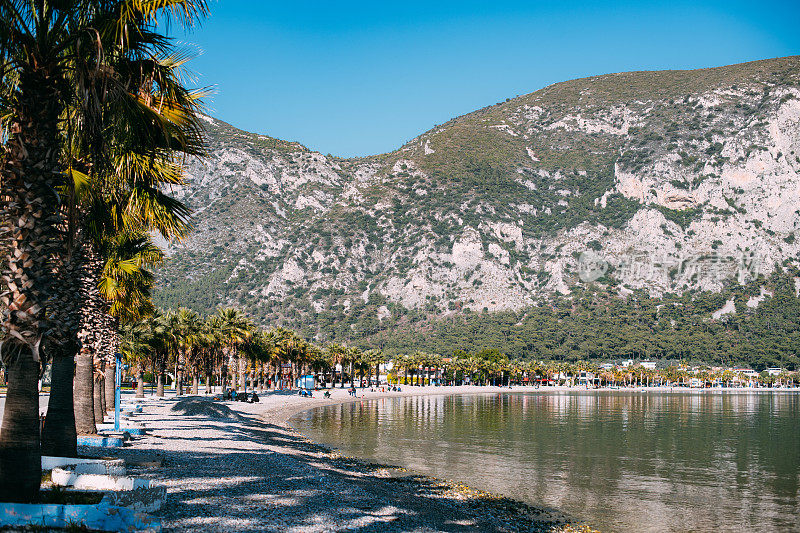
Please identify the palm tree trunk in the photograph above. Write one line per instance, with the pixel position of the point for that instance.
(88, 411)
(110, 383)
(84, 400)
(99, 384)
(195, 384)
(103, 396)
(59, 437)
(139, 382)
(111, 328)
(179, 373)
(209, 377)
(32, 242)
(242, 372)
(231, 369)
(160, 381)
(97, 396)
(20, 455)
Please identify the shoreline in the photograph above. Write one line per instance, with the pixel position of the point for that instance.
(287, 411)
(233, 466)
(282, 413)
(516, 515)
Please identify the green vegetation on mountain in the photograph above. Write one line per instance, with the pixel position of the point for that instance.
(227, 135)
(594, 325)
(485, 218)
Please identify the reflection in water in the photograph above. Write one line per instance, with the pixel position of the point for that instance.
(620, 461)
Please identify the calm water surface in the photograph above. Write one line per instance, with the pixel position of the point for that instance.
(620, 461)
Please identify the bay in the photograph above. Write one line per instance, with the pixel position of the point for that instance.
(620, 461)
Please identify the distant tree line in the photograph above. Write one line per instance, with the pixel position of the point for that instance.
(594, 324)
(227, 349)
(591, 324)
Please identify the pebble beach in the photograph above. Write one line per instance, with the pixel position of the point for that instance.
(232, 466)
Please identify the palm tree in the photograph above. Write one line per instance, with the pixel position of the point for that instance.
(372, 359)
(425, 362)
(136, 343)
(235, 329)
(291, 349)
(410, 366)
(458, 368)
(35, 90)
(124, 199)
(56, 84)
(402, 362)
(352, 356)
(125, 285)
(188, 328)
(216, 346)
(317, 359)
(210, 346)
(260, 349)
(337, 354)
(123, 293)
(163, 347)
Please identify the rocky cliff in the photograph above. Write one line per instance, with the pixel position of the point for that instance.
(668, 181)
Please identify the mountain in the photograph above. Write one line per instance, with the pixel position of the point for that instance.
(657, 183)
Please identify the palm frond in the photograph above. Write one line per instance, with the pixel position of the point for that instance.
(150, 208)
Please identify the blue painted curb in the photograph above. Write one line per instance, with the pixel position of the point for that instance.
(94, 517)
(100, 442)
(132, 431)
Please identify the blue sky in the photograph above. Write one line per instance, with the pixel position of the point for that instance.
(358, 78)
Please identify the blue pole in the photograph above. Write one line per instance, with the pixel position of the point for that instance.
(117, 383)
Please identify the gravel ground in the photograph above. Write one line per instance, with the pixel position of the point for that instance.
(236, 467)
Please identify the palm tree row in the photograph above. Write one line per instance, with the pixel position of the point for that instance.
(489, 367)
(95, 121)
(230, 350)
